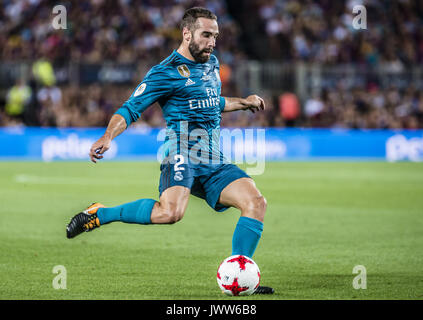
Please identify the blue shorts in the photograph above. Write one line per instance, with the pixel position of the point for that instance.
(205, 181)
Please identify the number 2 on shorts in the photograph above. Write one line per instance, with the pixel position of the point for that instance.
(179, 161)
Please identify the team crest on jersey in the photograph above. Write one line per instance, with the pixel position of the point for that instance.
(184, 71)
(140, 89)
(178, 176)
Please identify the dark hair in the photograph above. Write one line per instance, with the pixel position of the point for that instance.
(191, 15)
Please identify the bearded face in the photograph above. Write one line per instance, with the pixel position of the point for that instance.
(201, 55)
(202, 39)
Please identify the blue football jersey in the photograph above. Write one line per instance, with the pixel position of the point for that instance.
(189, 95)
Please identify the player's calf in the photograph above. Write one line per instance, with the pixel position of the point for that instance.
(171, 206)
(166, 214)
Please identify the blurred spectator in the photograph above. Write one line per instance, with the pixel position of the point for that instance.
(289, 108)
(17, 99)
(43, 72)
(225, 74)
(50, 99)
(313, 107)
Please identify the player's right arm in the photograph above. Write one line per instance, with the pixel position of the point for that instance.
(116, 126)
(156, 84)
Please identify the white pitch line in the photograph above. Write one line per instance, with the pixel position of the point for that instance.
(31, 179)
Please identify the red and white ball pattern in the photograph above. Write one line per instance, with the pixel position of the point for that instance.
(238, 276)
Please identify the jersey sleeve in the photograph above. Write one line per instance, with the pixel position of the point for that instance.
(222, 102)
(156, 85)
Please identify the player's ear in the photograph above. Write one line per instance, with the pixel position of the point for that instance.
(186, 34)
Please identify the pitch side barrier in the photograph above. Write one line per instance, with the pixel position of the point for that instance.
(245, 145)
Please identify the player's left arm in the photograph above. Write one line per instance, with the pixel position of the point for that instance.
(253, 103)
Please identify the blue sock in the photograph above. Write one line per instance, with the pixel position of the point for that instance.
(246, 236)
(138, 211)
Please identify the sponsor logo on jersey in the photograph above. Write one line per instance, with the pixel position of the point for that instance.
(184, 71)
(140, 89)
(213, 100)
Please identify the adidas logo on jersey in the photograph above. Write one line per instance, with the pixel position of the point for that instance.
(189, 82)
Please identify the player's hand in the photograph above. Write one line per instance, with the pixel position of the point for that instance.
(254, 103)
(99, 148)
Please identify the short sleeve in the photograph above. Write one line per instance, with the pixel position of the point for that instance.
(222, 103)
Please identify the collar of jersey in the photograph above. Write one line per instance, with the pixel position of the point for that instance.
(183, 58)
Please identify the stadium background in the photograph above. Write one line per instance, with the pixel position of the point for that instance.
(340, 77)
(331, 91)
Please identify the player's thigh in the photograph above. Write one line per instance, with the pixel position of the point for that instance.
(175, 198)
(174, 187)
(244, 195)
(171, 206)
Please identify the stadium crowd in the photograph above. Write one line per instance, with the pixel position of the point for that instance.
(322, 31)
(128, 31)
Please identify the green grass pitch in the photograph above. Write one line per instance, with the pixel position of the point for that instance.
(323, 219)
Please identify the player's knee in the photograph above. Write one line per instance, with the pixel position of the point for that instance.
(173, 215)
(257, 207)
(262, 206)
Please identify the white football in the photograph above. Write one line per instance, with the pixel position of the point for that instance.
(238, 276)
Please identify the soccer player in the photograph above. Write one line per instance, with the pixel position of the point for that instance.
(187, 86)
